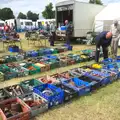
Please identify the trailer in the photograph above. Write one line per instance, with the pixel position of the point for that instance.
(2, 25)
(21, 24)
(80, 14)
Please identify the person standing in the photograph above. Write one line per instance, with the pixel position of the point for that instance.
(103, 40)
(6, 28)
(69, 31)
(53, 33)
(115, 29)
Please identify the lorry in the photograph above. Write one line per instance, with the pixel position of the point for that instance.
(80, 14)
(21, 24)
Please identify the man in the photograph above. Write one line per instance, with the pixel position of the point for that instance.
(6, 28)
(115, 29)
(53, 34)
(69, 30)
(103, 40)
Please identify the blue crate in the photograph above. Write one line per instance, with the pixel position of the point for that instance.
(81, 86)
(103, 78)
(107, 61)
(57, 96)
(51, 57)
(113, 67)
(32, 54)
(47, 51)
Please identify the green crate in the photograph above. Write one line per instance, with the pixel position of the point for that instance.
(30, 84)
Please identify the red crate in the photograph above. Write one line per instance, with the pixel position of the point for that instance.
(22, 114)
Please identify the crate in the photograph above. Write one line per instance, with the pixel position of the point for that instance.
(51, 93)
(69, 93)
(94, 84)
(70, 61)
(107, 61)
(30, 84)
(16, 90)
(15, 109)
(80, 86)
(36, 103)
(101, 77)
(33, 69)
(1, 77)
(32, 54)
(9, 58)
(4, 95)
(19, 57)
(49, 80)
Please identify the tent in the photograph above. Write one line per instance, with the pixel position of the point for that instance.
(105, 18)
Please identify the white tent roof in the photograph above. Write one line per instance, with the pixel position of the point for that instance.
(1, 21)
(110, 12)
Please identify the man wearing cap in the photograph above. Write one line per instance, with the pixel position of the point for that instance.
(103, 40)
(68, 32)
(115, 29)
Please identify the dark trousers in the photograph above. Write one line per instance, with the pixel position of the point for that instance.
(52, 39)
(68, 39)
(105, 53)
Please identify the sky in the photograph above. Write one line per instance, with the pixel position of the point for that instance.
(33, 5)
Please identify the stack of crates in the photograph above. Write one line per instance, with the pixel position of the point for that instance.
(80, 86)
(63, 60)
(75, 57)
(14, 109)
(35, 103)
(10, 58)
(51, 93)
(30, 84)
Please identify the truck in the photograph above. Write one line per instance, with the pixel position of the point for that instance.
(80, 14)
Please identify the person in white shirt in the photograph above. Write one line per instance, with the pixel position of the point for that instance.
(115, 29)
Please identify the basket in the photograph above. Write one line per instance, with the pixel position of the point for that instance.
(35, 103)
(51, 93)
(68, 92)
(15, 109)
(30, 84)
(80, 86)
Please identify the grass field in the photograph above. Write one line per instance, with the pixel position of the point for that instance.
(104, 104)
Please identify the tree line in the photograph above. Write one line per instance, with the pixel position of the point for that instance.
(48, 13)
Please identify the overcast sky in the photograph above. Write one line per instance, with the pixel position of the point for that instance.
(33, 5)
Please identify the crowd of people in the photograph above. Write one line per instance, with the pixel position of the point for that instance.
(106, 39)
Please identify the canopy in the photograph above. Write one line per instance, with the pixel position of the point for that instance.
(110, 12)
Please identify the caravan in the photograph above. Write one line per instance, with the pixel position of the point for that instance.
(21, 24)
(2, 25)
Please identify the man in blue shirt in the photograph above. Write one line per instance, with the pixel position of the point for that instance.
(103, 40)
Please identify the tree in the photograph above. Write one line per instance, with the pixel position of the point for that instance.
(22, 16)
(48, 13)
(32, 16)
(6, 13)
(96, 2)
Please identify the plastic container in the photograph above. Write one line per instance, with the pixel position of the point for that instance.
(78, 85)
(14, 109)
(101, 77)
(107, 61)
(35, 103)
(30, 84)
(16, 91)
(69, 93)
(51, 93)
(49, 80)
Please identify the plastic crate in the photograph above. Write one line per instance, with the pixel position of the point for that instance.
(1, 77)
(36, 103)
(33, 69)
(68, 92)
(15, 109)
(94, 84)
(43, 67)
(101, 77)
(49, 80)
(78, 85)
(16, 91)
(51, 93)
(107, 61)
(30, 84)
(32, 54)
(4, 95)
